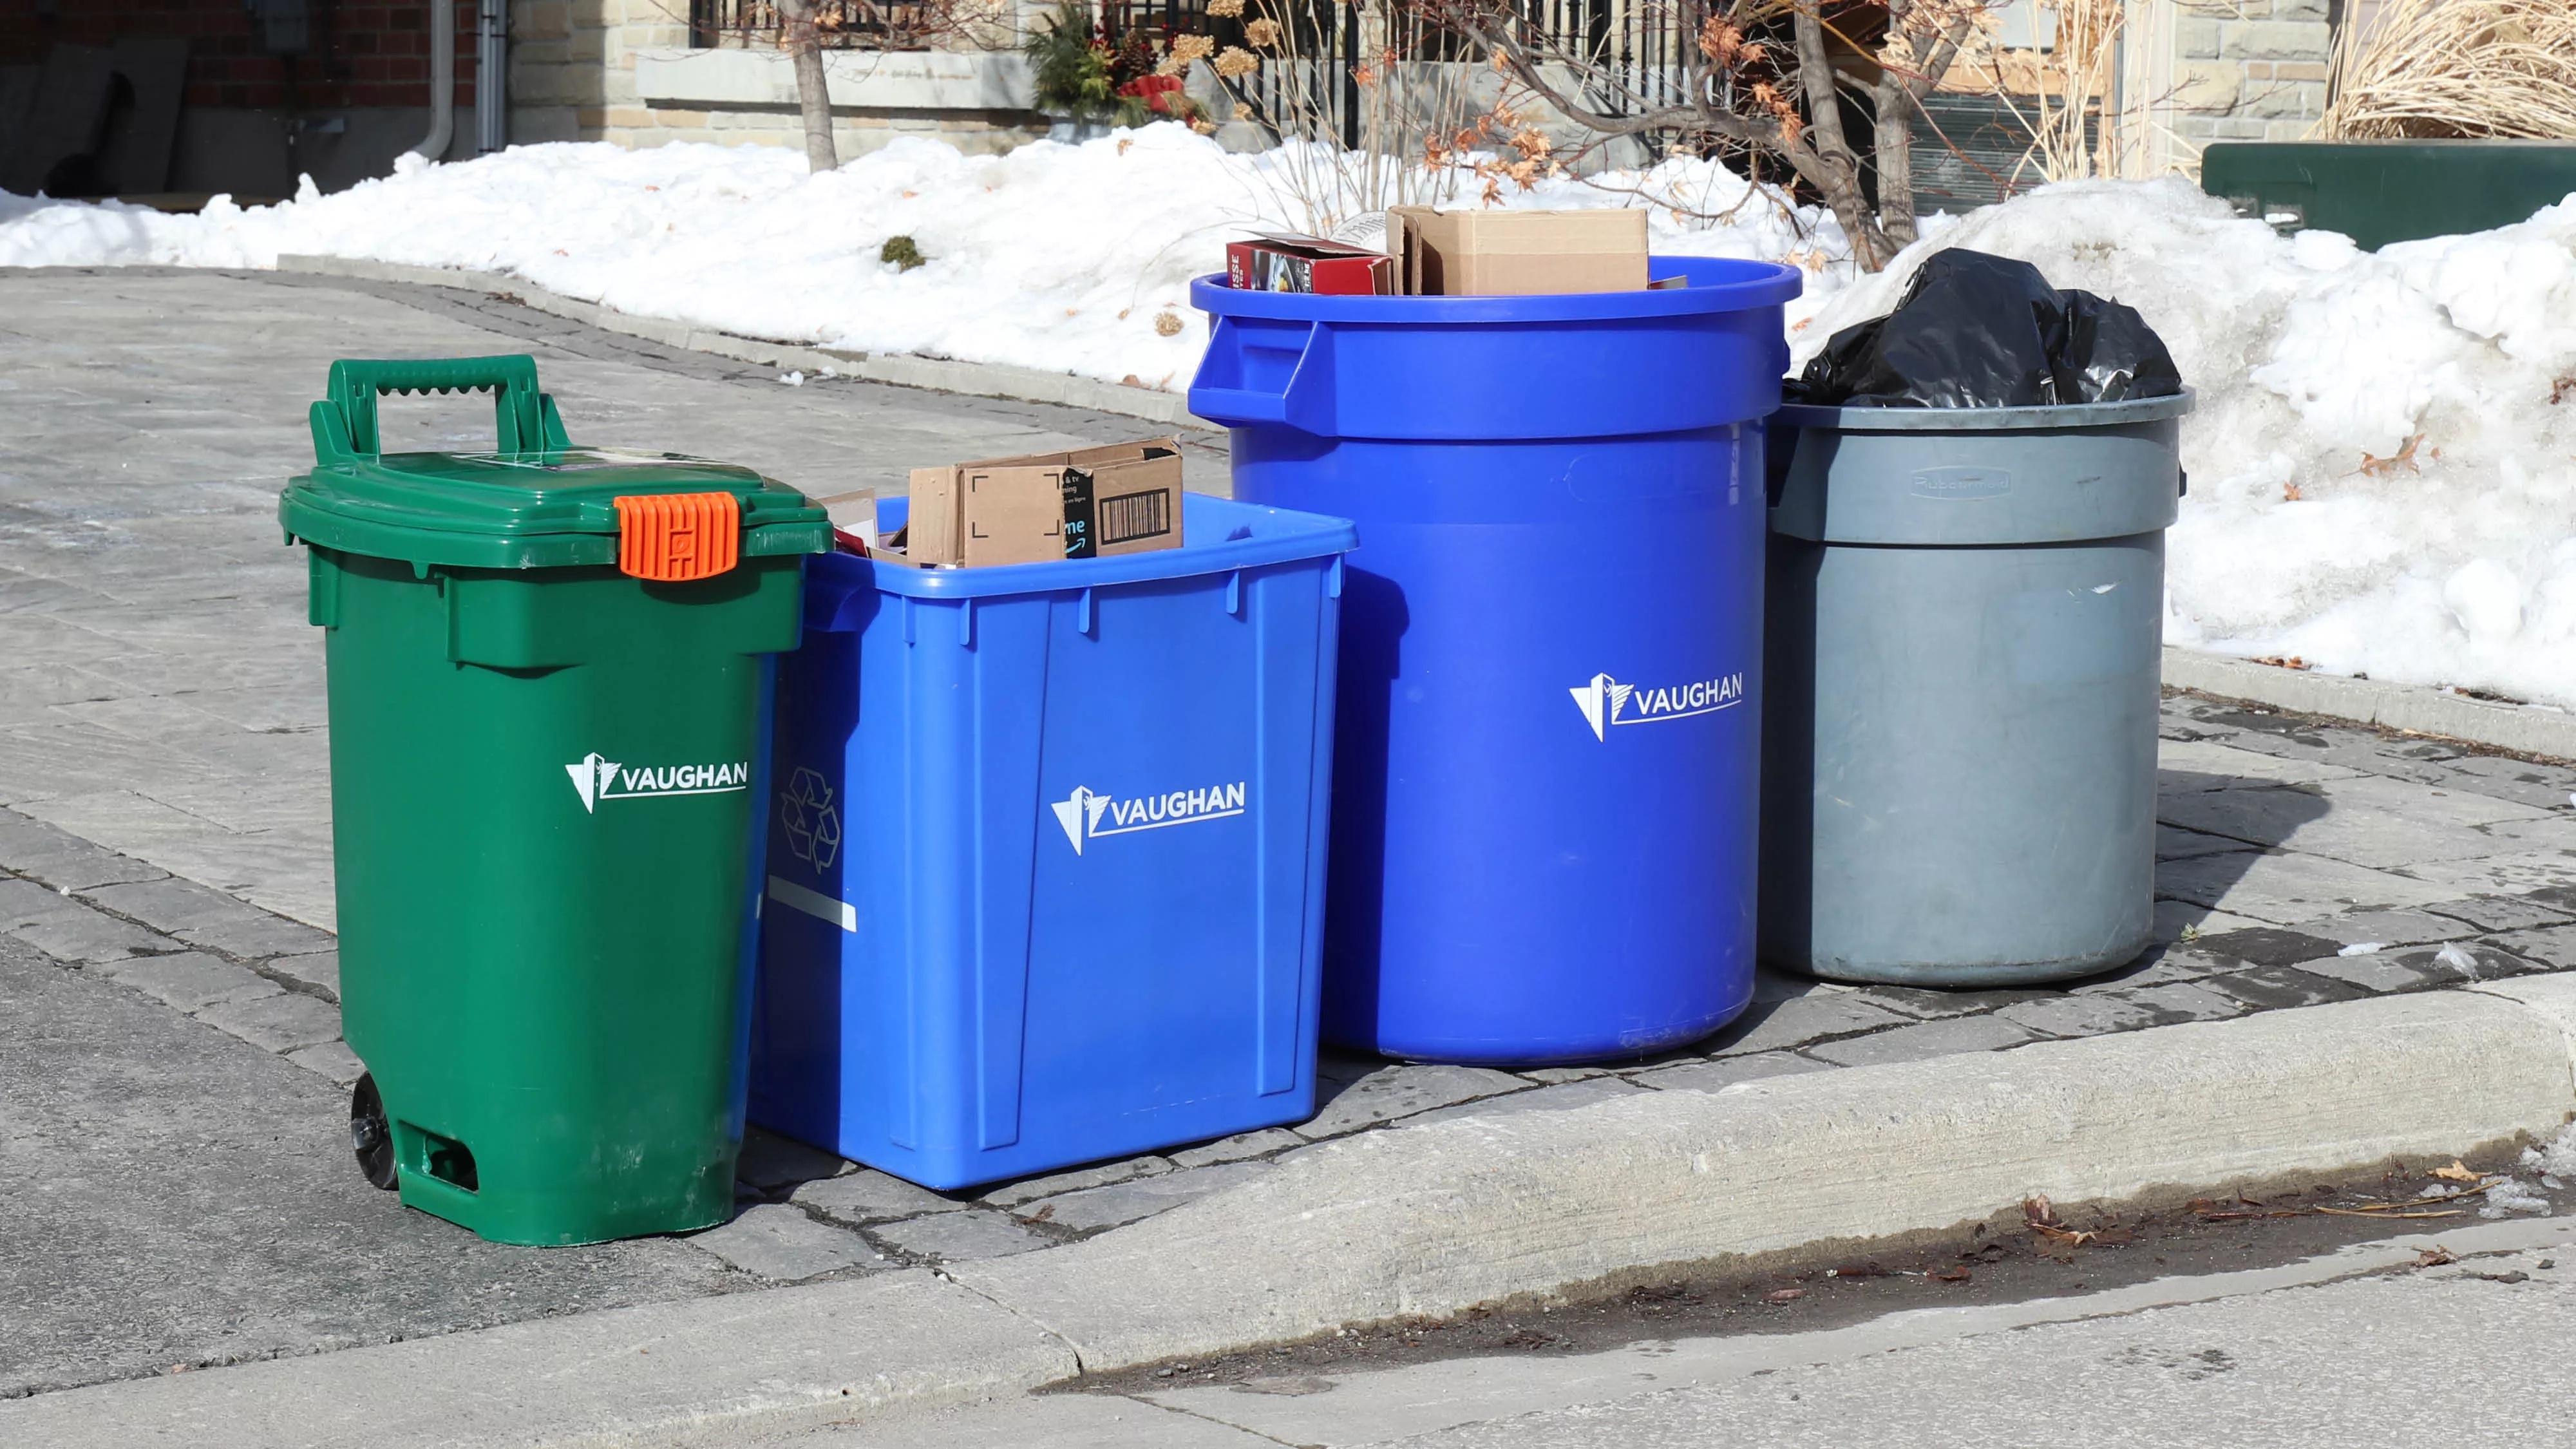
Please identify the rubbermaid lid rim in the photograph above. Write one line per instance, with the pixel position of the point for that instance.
(1766, 284)
(1985, 420)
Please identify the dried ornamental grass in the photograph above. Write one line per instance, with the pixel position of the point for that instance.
(1186, 48)
(2503, 69)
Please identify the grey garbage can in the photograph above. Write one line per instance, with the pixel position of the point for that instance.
(1960, 675)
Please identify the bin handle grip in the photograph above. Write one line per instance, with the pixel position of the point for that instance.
(1304, 403)
(344, 422)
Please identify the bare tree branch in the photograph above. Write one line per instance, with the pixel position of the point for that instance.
(1767, 76)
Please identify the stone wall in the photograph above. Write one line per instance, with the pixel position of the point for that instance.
(626, 71)
(2248, 70)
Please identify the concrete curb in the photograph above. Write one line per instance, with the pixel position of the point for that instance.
(2421, 709)
(1438, 1218)
(974, 379)
(1432, 1219)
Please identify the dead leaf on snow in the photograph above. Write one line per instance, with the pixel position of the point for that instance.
(2434, 1258)
(2458, 1172)
(2382, 467)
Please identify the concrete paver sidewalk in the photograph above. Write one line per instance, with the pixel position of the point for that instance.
(173, 1198)
(160, 690)
(163, 768)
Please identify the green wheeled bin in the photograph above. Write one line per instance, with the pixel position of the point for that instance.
(550, 673)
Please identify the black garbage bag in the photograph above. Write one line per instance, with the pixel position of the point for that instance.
(2111, 354)
(1980, 331)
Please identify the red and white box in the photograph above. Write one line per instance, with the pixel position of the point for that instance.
(1286, 262)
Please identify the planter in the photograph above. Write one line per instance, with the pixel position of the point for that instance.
(2377, 192)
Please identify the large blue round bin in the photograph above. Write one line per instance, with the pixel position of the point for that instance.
(1548, 744)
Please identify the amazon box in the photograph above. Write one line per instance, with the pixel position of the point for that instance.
(1517, 253)
(1091, 503)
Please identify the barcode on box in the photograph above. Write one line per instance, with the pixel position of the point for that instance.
(1131, 516)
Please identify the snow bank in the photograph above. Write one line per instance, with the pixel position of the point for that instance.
(2383, 462)
(1059, 257)
(2381, 482)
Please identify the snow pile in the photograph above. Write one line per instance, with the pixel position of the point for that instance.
(1059, 257)
(2383, 461)
(2555, 1161)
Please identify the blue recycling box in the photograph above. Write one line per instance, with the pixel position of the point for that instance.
(1549, 749)
(1046, 863)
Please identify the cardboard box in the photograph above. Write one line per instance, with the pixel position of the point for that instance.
(1091, 503)
(1517, 253)
(854, 520)
(1285, 262)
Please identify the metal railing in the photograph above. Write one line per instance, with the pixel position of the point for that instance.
(1636, 46)
(844, 24)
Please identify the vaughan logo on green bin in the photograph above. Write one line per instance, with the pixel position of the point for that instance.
(1082, 815)
(598, 779)
(1606, 702)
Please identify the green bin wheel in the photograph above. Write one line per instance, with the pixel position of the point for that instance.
(371, 1135)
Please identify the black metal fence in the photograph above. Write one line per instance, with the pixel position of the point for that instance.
(844, 24)
(1637, 46)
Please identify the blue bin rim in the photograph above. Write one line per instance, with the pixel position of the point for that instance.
(2058, 418)
(1293, 537)
(1756, 284)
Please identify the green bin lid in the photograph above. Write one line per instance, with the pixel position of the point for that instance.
(533, 501)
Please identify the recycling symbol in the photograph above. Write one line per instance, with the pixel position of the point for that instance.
(813, 822)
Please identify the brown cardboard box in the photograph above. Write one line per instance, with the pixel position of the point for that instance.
(1518, 253)
(1094, 502)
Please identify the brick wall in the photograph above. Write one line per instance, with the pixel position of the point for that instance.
(362, 52)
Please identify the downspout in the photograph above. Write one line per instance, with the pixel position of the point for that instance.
(442, 81)
(492, 77)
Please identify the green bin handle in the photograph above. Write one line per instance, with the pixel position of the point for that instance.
(344, 424)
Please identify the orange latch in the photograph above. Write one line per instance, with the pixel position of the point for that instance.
(673, 537)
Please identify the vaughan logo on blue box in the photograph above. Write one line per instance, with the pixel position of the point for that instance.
(1606, 702)
(1089, 815)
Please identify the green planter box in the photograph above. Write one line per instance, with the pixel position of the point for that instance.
(2377, 192)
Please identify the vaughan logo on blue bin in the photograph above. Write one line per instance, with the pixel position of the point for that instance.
(1606, 702)
(1088, 815)
(600, 779)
